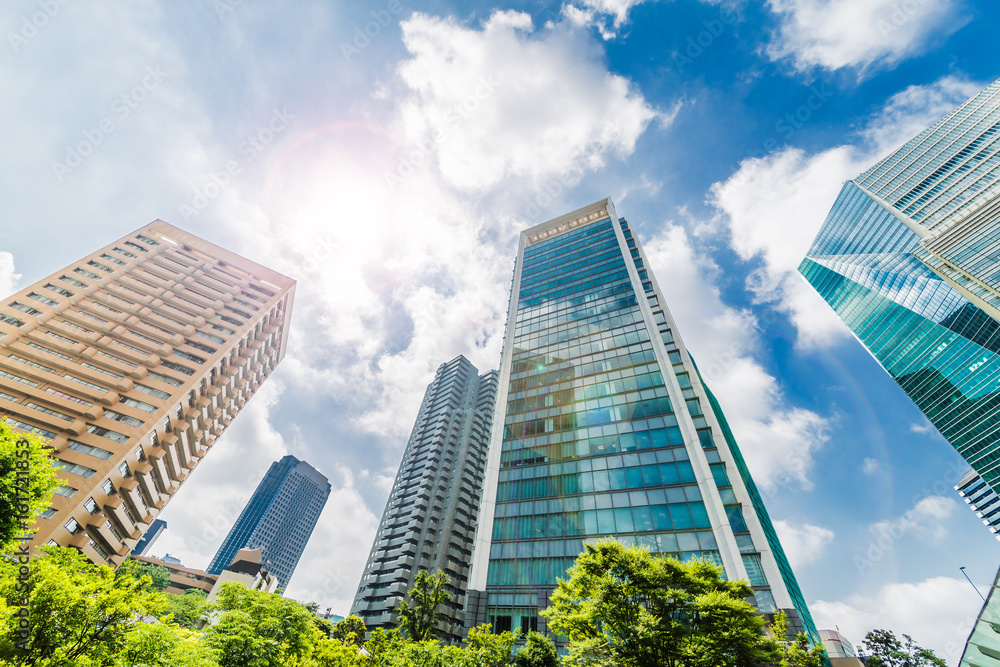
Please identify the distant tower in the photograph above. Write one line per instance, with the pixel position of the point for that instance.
(151, 535)
(279, 518)
(604, 427)
(132, 362)
(430, 519)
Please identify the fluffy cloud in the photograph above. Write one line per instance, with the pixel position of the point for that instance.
(779, 440)
(938, 613)
(927, 518)
(803, 544)
(773, 206)
(863, 34)
(871, 466)
(8, 279)
(507, 101)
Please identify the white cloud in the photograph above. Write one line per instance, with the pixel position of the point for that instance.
(803, 544)
(779, 440)
(773, 206)
(507, 101)
(926, 519)
(8, 279)
(938, 613)
(923, 428)
(862, 34)
(871, 466)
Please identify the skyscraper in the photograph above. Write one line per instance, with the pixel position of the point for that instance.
(278, 519)
(604, 427)
(908, 258)
(149, 537)
(429, 521)
(133, 361)
(983, 500)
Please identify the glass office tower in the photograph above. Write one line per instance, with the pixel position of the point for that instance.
(279, 518)
(430, 518)
(909, 258)
(604, 427)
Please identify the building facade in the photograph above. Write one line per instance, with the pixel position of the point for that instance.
(133, 361)
(182, 579)
(604, 427)
(983, 646)
(430, 519)
(279, 518)
(908, 258)
(983, 500)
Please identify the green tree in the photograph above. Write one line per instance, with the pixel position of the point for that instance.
(538, 651)
(257, 629)
(419, 620)
(158, 575)
(487, 649)
(885, 650)
(795, 652)
(27, 480)
(164, 645)
(351, 630)
(623, 606)
(334, 653)
(188, 608)
(80, 612)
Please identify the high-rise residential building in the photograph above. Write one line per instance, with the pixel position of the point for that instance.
(279, 518)
(604, 427)
(429, 522)
(908, 258)
(149, 537)
(983, 500)
(133, 361)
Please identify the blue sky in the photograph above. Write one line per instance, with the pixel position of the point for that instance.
(390, 173)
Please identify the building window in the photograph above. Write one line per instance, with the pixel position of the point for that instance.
(72, 526)
(83, 448)
(108, 487)
(74, 468)
(91, 505)
(107, 433)
(133, 403)
(10, 320)
(65, 491)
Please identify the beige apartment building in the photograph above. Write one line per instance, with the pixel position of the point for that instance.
(133, 361)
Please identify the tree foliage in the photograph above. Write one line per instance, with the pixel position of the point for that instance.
(187, 609)
(795, 652)
(158, 575)
(538, 651)
(254, 628)
(164, 645)
(885, 650)
(623, 606)
(351, 630)
(27, 480)
(80, 612)
(419, 617)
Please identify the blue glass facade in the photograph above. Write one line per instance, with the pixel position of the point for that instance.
(909, 258)
(607, 430)
(279, 519)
